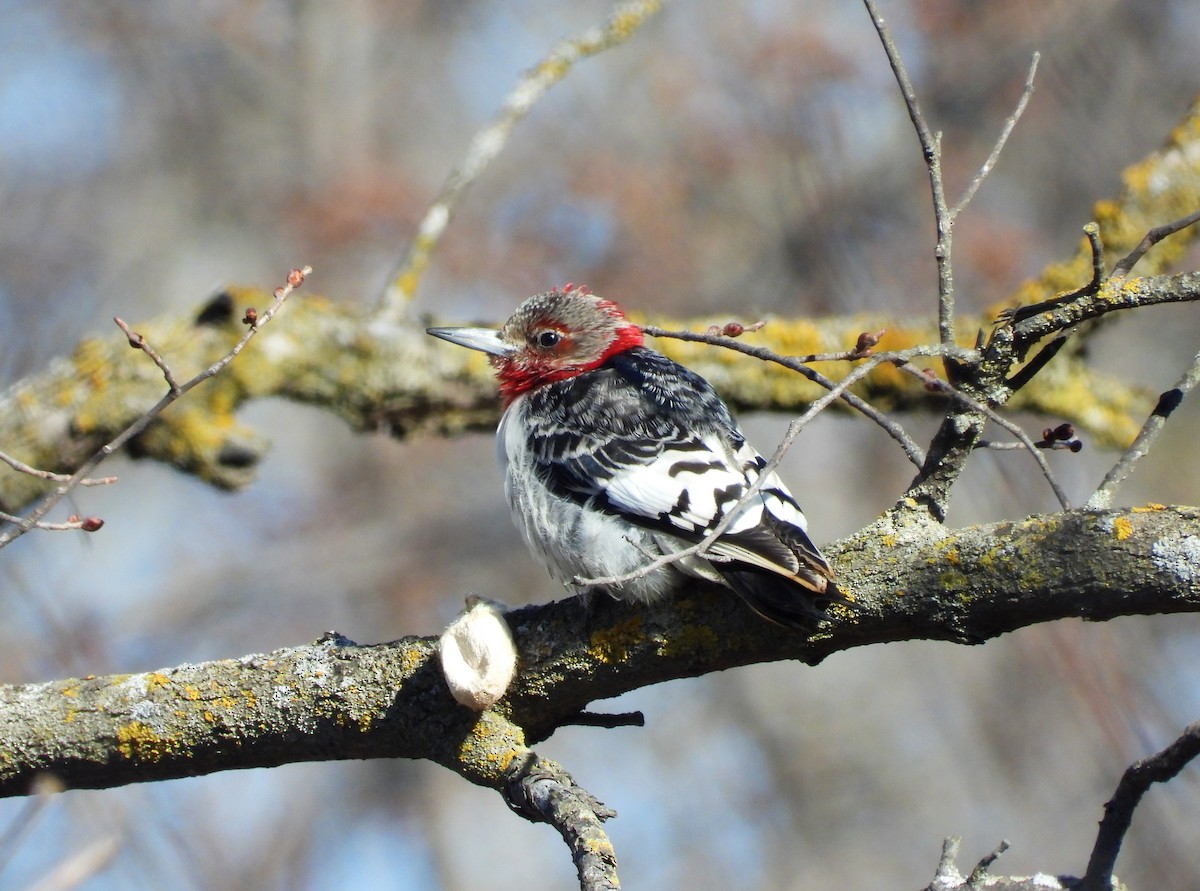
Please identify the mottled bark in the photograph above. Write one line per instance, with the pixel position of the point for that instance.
(912, 580)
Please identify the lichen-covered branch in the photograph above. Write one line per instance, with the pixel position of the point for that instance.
(543, 792)
(379, 371)
(335, 700)
(393, 377)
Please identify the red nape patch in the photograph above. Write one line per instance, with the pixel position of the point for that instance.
(578, 289)
(628, 337)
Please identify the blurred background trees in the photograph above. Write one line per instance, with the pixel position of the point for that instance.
(740, 158)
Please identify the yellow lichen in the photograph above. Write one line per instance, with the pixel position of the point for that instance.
(1123, 528)
(491, 745)
(611, 645)
(411, 659)
(156, 679)
(138, 742)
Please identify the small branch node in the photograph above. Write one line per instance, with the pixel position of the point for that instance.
(1092, 231)
(139, 342)
(866, 340)
(979, 873)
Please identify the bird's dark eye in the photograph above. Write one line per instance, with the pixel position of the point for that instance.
(548, 339)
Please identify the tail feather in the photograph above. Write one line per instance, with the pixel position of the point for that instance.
(793, 603)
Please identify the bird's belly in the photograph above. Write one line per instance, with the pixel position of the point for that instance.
(578, 542)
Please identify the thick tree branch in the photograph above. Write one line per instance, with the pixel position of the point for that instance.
(395, 378)
(339, 700)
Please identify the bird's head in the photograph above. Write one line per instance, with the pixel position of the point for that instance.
(551, 337)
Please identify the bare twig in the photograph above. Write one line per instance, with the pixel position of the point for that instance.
(1118, 812)
(1153, 237)
(606, 721)
(1092, 232)
(1005, 132)
(1057, 438)
(1167, 403)
(931, 151)
(799, 364)
(979, 873)
(716, 337)
(1014, 314)
(996, 418)
(625, 21)
(139, 342)
(21, 467)
(947, 874)
(34, 517)
(73, 524)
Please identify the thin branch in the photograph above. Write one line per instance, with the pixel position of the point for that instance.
(139, 342)
(73, 524)
(255, 321)
(1118, 812)
(1092, 232)
(1030, 369)
(605, 720)
(625, 21)
(1153, 237)
(799, 364)
(21, 467)
(1167, 403)
(714, 337)
(1005, 132)
(931, 151)
(1014, 314)
(947, 874)
(996, 418)
(980, 872)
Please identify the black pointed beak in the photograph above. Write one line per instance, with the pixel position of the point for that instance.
(486, 340)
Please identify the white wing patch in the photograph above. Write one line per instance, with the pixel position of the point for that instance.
(693, 489)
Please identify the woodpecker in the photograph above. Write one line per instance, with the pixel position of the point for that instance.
(614, 454)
